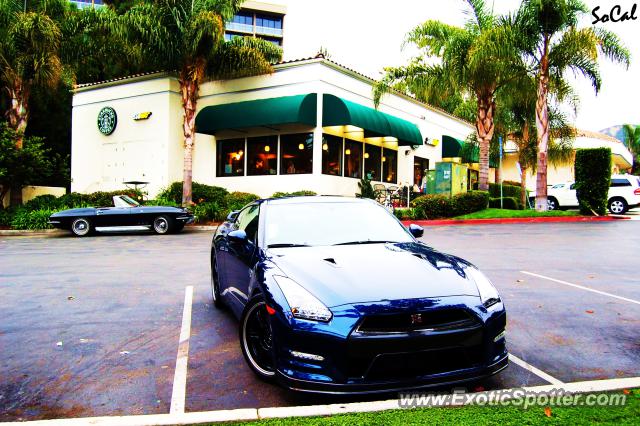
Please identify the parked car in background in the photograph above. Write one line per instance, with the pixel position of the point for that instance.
(126, 214)
(335, 295)
(624, 194)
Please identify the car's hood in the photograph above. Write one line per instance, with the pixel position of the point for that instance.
(75, 212)
(340, 275)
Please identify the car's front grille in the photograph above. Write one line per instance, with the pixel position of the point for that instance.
(434, 320)
(417, 364)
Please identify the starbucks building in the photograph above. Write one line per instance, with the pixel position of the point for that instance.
(310, 125)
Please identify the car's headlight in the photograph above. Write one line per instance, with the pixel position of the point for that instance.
(302, 303)
(488, 293)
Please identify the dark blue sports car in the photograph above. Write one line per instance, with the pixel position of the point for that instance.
(335, 295)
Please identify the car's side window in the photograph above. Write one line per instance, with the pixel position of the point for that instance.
(616, 183)
(248, 221)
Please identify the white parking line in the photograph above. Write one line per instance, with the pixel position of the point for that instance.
(534, 370)
(582, 287)
(178, 394)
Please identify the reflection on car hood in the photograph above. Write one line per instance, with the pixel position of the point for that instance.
(340, 275)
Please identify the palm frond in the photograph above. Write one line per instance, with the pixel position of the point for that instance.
(481, 16)
(242, 57)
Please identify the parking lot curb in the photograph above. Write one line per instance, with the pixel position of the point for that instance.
(514, 220)
(248, 414)
(28, 232)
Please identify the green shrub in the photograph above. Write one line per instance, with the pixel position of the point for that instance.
(507, 190)
(205, 212)
(35, 219)
(509, 203)
(593, 178)
(469, 202)
(6, 216)
(301, 193)
(94, 199)
(43, 202)
(237, 200)
(366, 190)
(405, 213)
(200, 193)
(432, 206)
(161, 202)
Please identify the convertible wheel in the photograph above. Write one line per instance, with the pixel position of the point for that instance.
(215, 283)
(256, 338)
(81, 227)
(162, 225)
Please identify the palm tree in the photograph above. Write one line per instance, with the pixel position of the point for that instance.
(551, 44)
(188, 36)
(632, 142)
(474, 62)
(30, 41)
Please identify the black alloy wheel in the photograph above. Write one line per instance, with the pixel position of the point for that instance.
(256, 338)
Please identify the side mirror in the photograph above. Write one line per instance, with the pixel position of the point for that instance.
(237, 236)
(232, 216)
(416, 230)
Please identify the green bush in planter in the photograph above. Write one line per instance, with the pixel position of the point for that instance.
(205, 212)
(432, 206)
(509, 203)
(35, 219)
(200, 193)
(469, 202)
(593, 178)
(301, 193)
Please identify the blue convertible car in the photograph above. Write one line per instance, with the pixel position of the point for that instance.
(335, 295)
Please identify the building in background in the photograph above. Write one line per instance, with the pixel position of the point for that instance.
(309, 125)
(622, 159)
(82, 4)
(256, 19)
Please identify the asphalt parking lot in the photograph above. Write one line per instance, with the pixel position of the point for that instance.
(90, 327)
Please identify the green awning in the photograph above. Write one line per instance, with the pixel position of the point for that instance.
(340, 112)
(299, 109)
(456, 148)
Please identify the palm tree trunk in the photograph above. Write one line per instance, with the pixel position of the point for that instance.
(523, 186)
(189, 93)
(485, 129)
(542, 126)
(18, 116)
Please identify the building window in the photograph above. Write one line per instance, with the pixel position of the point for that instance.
(262, 156)
(230, 158)
(372, 162)
(331, 155)
(352, 159)
(296, 154)
(420, 168)
(243, 18)
(390, 165)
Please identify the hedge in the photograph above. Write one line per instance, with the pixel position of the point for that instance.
(509, 203)
(507, 190)
(436, 206)
(593, 179)
(303, 192)
(201, 193)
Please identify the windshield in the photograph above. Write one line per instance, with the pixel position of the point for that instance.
(127, 201)
(330, 223)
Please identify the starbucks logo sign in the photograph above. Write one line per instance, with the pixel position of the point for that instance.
(107, 120)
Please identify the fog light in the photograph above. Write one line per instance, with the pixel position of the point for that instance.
(305, 356)
(500, 336)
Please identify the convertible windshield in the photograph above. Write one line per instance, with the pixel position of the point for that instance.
(331, 223)
(126, 201)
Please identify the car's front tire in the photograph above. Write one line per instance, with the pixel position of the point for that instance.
(256, 338)
(81, 227)
(618, 206)
(162, 225)
(215, 283)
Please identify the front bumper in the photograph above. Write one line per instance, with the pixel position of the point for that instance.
(355, 362)
(186, 219)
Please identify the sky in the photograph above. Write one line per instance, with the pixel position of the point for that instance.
(367, 35)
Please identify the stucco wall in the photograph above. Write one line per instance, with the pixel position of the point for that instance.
(152, 150)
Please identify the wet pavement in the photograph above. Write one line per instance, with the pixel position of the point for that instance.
(90, 327)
